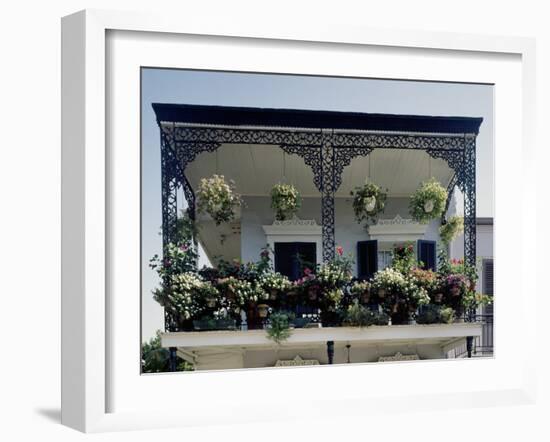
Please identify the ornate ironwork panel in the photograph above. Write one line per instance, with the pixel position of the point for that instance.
(169, 183)
(326, 152)
(327, 198)
(469, 183)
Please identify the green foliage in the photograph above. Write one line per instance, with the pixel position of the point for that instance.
(451, 229)
(357, 315)
(428, 202)
(155, 359)
(285, 200)
(368, 202)
(218, 198)
(404, 258)
(279, 327)
(435, 314)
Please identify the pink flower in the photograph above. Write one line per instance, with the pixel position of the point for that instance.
(307, 271)
(340, 250)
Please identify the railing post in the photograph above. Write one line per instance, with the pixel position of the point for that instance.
(173, 361)
(330, 352)
(469, 342)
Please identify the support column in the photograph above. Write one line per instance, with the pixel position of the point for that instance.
(173, 361)
(169, 201)
(469, 181)
(469, 345)
(330, 352)
(327, 197)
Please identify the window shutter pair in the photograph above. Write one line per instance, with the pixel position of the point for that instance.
(367, 257)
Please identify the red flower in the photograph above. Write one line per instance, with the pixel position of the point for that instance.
(340, 250)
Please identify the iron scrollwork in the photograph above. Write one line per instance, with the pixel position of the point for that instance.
(327, 153)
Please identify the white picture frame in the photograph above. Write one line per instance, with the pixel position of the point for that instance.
(88, 172)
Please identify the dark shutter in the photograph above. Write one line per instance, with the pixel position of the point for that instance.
(427, 254)
(292, 257)
(367, 259)
(488, 283)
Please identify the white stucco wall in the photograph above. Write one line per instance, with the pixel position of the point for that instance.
(257, 212)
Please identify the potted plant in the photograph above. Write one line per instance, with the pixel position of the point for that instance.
(361, 291)
(278, 329)
(368, 202)
(428, 202)
(285, 200)
(263, 310)
(218, 198)
(453, 227)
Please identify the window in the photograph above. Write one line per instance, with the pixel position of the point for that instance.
(385, 259)
(291, 258)
(367, 259)
(427, 254)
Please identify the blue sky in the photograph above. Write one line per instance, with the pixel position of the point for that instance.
(300, 92)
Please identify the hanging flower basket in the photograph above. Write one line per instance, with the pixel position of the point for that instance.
(368, 202)
(217, 198)
(451, 229)
(428, 202)
(285, 200)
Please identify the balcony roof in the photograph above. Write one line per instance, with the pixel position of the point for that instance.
(312, 119)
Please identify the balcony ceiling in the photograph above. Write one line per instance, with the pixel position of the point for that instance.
(256, 168)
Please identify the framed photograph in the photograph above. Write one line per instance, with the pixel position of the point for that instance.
(258, 214)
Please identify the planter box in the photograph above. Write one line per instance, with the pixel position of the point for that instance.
(214, 324)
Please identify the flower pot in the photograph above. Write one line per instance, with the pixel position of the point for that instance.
(428, 206)
(273, 295)
(455, 291)
(312, 294)
(211, 302)
(382, 293)
(365, 297)
(214, 324)
(370, 203)
(263, 309)
(438, 298)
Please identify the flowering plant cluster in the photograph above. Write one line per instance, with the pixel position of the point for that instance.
(403, 291)
(185, 297)
(388, 280)
(274, 281)
(428, 202)
(451, 229)
(218, 198)
(285, 200)
(368, 202)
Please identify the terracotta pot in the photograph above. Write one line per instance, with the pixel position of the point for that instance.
(211, 302)
(263, 310)
(312, 294)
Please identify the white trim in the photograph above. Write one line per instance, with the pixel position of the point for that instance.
(315, 335)
(397, 230)
(294, 230)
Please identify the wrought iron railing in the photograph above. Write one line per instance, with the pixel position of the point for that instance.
(481, 345)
